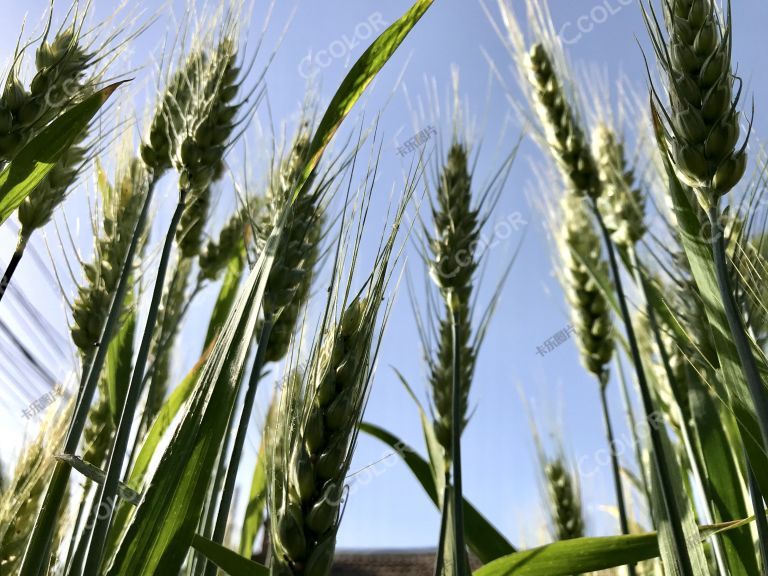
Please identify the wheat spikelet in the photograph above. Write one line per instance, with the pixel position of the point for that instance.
(216, 255)
(37, 208)
(316, 424)
(296, 257)
(61, 66)
(315, 456)
(452, 267)
(622, 204)
(204, 138)
(159, 148)
(563, 134)
(581, 250)
(122, 208)
(564, 500)
(702, 117)
(23, 496)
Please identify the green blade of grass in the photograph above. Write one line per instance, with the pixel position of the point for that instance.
(723, 481)
(582, 555)
(227, 295)
(358, 78)
(487, 543)
(32, 164)
(229, 561)
(117, 368)
(163, 421)
(575, 556)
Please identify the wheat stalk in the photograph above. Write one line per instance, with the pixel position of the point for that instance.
(700, 137)
(298, 223)
(198, 159)
(565, 141)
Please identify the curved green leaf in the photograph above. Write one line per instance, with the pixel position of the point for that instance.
(227, 295)
(229, 561)
(361, 74)
(575, 556)
(484, 540)
(589, 554)
(117, 368)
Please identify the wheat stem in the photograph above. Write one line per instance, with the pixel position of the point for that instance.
(457, 419)
(664, 477)
(440, 556)
(242, 430)
(108, 491)
(738, 333)
(15, 259)
(45, 524)
(746, 357)
(615, 467)
(758, 505)
(630, 413)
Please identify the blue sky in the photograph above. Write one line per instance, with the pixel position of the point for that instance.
(501, 475)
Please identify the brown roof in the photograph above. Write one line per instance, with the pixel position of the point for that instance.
(385, 563)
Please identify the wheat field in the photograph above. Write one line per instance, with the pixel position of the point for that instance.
(224, 293)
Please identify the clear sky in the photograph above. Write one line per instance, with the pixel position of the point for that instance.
(501, 475)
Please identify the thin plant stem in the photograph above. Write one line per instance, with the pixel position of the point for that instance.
(657, 452)
(685, 432)
(456, 426)
(45, 523)
(108, 491)
(207, 525)
(630, 413)
(738, 333)
(440, 556)
(758, 506)
(242, 431)
(616, 469)
(15, 259)
(748, 364)
(74, 547)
